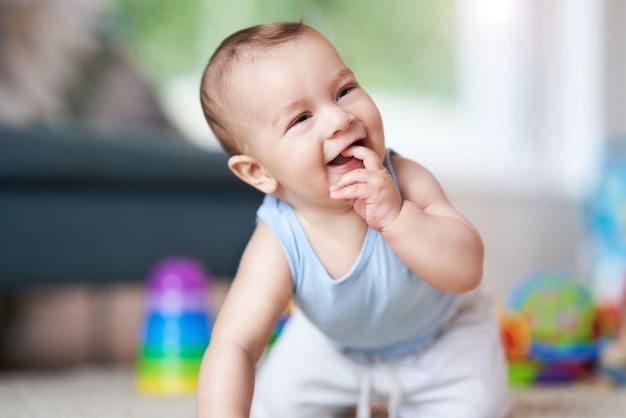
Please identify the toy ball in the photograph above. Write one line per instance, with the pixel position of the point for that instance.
(550, 328)
(559, 308)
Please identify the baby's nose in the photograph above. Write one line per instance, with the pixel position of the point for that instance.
(339, 120)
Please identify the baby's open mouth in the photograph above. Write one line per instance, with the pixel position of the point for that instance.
(341, 159)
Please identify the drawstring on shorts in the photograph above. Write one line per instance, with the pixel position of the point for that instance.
(363, 407)
(396, 393)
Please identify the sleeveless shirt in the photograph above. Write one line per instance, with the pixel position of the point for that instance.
(379, 307)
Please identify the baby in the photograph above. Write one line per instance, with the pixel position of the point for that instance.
(379, 265)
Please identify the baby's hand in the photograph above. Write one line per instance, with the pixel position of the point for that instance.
(370, 190)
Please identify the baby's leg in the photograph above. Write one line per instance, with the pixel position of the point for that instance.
(462, 373)
(305, 376)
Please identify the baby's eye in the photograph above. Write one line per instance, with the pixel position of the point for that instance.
(299, 119)
(344, 91)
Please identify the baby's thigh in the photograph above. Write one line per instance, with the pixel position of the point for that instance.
(304, 376)
(461, 374)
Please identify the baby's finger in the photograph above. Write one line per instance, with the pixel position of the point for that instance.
(370, 159)
(350, 192)
(360, 175)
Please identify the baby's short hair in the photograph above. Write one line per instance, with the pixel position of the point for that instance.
(216, 91)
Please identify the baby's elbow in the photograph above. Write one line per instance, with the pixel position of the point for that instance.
(470, 276)
(473, 279)
(474, 272)
(465, 283)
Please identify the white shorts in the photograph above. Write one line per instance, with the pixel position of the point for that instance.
(460, 373)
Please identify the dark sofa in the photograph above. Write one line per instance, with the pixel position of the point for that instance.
(77, 206)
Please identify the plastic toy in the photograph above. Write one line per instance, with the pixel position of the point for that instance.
(607, 235)
(606, 223)
(280, 324)
(177, 327)
(549, 329)
(515, 334)
(613, 356)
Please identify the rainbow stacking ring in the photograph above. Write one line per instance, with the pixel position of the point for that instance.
(177, 327)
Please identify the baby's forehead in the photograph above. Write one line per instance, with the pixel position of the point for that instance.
(248, 63)
(251, 65)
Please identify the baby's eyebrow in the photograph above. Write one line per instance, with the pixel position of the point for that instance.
(345, 72)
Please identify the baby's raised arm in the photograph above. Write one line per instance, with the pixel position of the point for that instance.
(430, 236)
(418, 222)
(259, 294)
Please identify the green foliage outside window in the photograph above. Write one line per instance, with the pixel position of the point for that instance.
(405, 47)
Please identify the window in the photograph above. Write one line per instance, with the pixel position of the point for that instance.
(399, 50)
(497, 94)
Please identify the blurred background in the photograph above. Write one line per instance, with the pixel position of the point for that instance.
(515, 105)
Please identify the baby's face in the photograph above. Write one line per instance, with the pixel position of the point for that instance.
(307, 108)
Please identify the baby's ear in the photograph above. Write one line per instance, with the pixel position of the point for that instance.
(250, 170)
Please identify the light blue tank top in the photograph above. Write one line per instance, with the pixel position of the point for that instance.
(379, 307)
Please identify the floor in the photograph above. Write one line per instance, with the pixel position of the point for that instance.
(109, 392)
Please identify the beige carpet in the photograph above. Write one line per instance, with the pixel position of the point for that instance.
(107, 392)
